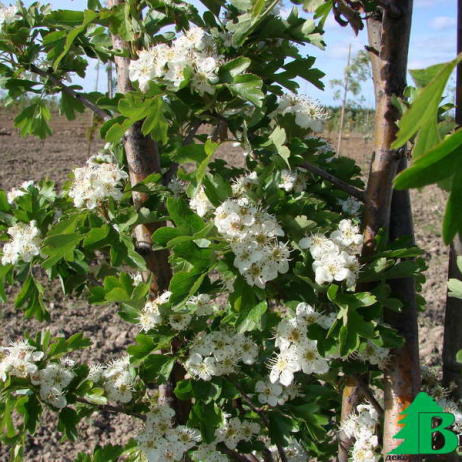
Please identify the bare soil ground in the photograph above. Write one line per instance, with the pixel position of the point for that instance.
(27, 158)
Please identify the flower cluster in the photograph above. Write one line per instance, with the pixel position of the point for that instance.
(294, 452)
(8, 14)
(235, 430)
(296, 351)
(95, 183)
(374, 354)
(150, 316)
(335, 257)
(218, 353)
(160, 441)
(253, 233)
(117, 379)
(53, 380)
(308, 112)
(293, 180)
(200, 202)
(18, 192)
(244, 183)
(24, 245)
(208, 453)
(194, 51)
(275, 394)
(361, 426)
(19, 360)
(350, 206)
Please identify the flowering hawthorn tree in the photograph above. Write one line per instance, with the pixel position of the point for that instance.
(245, 280)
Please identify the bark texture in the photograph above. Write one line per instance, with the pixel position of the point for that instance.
(402, 377)
(389, 41)
(452, 370)
(389, 33)
(143, 160)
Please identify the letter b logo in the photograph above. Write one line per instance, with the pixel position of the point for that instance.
(426, 431)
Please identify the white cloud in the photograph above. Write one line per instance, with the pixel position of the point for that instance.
(443, 23)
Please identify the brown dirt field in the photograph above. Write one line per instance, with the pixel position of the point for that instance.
(27, 158)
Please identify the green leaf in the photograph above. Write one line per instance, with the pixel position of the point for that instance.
(424, 109)
(207, 418)
(62, 345)
(252, 320)
(62, 245)
(209, 147)
(233, 68)
(88, 17)
(452, 222)
(459, 356)
(67, 423)
(185, 219)
(455, 288)
(436, 165)
(155, 123)
(278, 138)
(96, 235)
(183, 283)
(156, 368)
(248, 87)
(69, 106)
(33, 120)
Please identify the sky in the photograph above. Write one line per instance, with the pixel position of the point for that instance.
(433, 40)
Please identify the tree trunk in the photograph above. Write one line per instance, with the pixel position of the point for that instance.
(452, 370)
(143, 160)
(402, 377)
(389, 32)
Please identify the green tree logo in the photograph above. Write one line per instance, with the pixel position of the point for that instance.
(420, 424)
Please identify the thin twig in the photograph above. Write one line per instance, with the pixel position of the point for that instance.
(69, 91)
(370, 397)
(267, 455)
(263, 417)
(110, 408)
(235, 455)
(337, 182)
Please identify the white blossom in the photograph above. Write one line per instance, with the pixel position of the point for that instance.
(219, 353)
(252, 234)
(8, 14)
(160, 441)
(24, 245)
(14, 193)
(95, 183)
(308, 112)
(351, 206)
(200, 202)
(194, 50)
(235, 430)
(118, 380)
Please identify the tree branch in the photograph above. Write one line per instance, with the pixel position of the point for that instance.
(337, 182)
(394, 10)
(367, 392)
(110, 408)
(69, 91)
(235, 455)
(262, 415)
